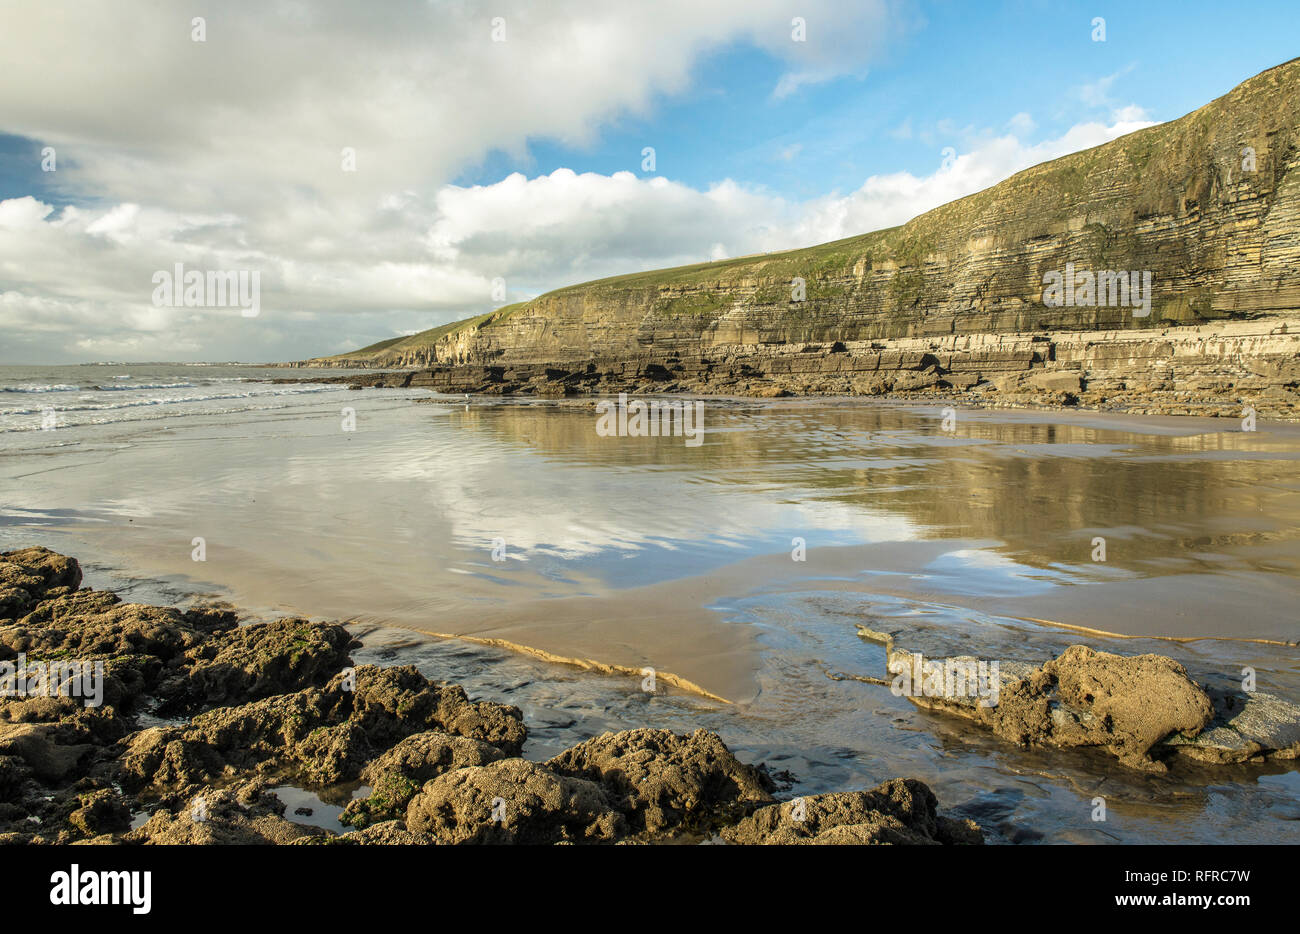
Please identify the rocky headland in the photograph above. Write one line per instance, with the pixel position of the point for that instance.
(1201, 217)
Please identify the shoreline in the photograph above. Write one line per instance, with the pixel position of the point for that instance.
(1046, 403)
(1217, 369)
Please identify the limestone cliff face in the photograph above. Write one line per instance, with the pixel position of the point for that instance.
(1209, 204)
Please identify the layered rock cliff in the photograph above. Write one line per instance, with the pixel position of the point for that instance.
(1208, 205)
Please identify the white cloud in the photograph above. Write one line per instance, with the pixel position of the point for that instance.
(89, 272)
(227, 155)
(604, 225)
(1130, 113)
(560, 226)
(888, 200)
(838, 39)
(263, 108)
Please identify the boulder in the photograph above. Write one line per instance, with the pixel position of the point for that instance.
(513, 801)
(397, 776)
(901, 811)
(1055, 381)
(393, 703)
(665, 782)
(27, 576)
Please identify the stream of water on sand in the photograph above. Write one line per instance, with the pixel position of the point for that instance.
(514, 524)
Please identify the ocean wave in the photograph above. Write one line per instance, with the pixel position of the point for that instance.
(71, 387)
(42, 387)
(163, 400)
(136, 387)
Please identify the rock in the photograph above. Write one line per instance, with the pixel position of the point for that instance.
(1128, 705)
(663, 782)
(272, 730)
(910, 382)
(328, 733)
(123, 629)
(251, 662)
(961, 381)
(330, 754)
(12, 838)
(44, 749)
(167, 758)
(388, 833)
(393, 703)
(70, 606)
(14, 772)
(385, 833)
(396, 776)
(1010, 384)
(1056, 381)
(101, 812)
(901, 811)
(211, 617)
(29, 574)
(513, 801)
(1246, 727)
(269, 703)
(1132, 702)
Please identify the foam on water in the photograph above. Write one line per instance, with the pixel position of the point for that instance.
(101, 398)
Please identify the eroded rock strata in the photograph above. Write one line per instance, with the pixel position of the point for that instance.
(200, 718)
(954, 301)
(1209, 370)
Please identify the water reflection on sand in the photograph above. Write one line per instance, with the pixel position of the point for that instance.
(627, 553)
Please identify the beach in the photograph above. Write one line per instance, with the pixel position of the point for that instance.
(568, 565)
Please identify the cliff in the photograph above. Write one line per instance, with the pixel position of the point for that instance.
(1205, 208)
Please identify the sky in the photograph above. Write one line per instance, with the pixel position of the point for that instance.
(388, 167)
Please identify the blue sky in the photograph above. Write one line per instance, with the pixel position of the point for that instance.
(518, 162)
(964, 66)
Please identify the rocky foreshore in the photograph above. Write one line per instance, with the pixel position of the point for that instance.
(133, 724)
(1226, 369)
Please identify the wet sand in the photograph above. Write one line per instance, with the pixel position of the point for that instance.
(617, 551)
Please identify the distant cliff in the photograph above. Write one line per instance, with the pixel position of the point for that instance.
(1206, 209)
